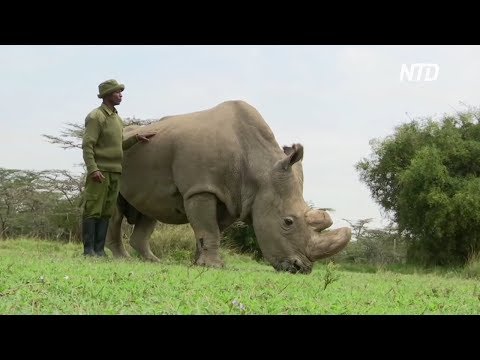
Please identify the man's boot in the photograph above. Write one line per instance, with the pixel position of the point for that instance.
(88, 236)
(100, 235)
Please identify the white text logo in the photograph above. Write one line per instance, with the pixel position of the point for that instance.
(419, 72)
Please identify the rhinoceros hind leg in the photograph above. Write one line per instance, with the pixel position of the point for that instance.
(114, 235)
(201, 213)
(139, 240)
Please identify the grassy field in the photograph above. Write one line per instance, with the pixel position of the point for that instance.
(43, 277)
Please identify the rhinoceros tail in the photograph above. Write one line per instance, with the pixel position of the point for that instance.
(130, 213)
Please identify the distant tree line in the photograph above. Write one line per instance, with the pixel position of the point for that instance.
(374, 246)
(40, 204)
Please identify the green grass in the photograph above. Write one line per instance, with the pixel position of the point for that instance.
(42, 277)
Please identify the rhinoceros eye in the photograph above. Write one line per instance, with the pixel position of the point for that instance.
(288, 221)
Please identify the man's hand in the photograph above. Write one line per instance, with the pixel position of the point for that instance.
(97, 176)
(144, 137)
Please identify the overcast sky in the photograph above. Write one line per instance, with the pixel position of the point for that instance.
(331, 99)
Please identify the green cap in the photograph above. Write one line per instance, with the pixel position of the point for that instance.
(109, 86)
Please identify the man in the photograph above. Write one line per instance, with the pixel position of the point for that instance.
(103, 146)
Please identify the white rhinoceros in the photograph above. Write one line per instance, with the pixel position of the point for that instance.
(213, 167)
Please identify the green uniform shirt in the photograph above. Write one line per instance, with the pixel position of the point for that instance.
(103, 142)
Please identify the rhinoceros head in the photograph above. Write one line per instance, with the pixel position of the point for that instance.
(289, 232)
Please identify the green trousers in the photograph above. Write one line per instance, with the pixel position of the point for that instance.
(99, 199)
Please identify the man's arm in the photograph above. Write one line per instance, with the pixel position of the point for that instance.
(129, 142)
(90, 138)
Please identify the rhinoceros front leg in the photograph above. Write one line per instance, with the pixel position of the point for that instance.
(202, 215)
(140, 238)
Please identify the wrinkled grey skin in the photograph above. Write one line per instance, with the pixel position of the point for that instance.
(211, 168)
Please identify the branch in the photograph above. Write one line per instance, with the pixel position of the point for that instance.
(70, 137)
(65, 144)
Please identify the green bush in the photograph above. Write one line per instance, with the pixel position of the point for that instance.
(240, 237)
(425, 176)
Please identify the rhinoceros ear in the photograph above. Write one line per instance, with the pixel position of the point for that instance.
(287, 150)
(294, 154)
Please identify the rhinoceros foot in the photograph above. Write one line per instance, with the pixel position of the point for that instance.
(118, 252)
(209, 260)
(150, 257)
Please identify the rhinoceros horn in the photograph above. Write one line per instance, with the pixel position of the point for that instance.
(325, 243)
(318, 219)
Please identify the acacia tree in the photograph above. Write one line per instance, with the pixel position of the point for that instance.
(359, 227)
(38, 203)
(71, 136)
(426, 178)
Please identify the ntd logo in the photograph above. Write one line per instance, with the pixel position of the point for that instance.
(423, 72)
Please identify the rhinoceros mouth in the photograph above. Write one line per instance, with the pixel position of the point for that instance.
(293, 267)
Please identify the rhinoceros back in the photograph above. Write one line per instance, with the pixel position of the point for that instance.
(220, 150)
